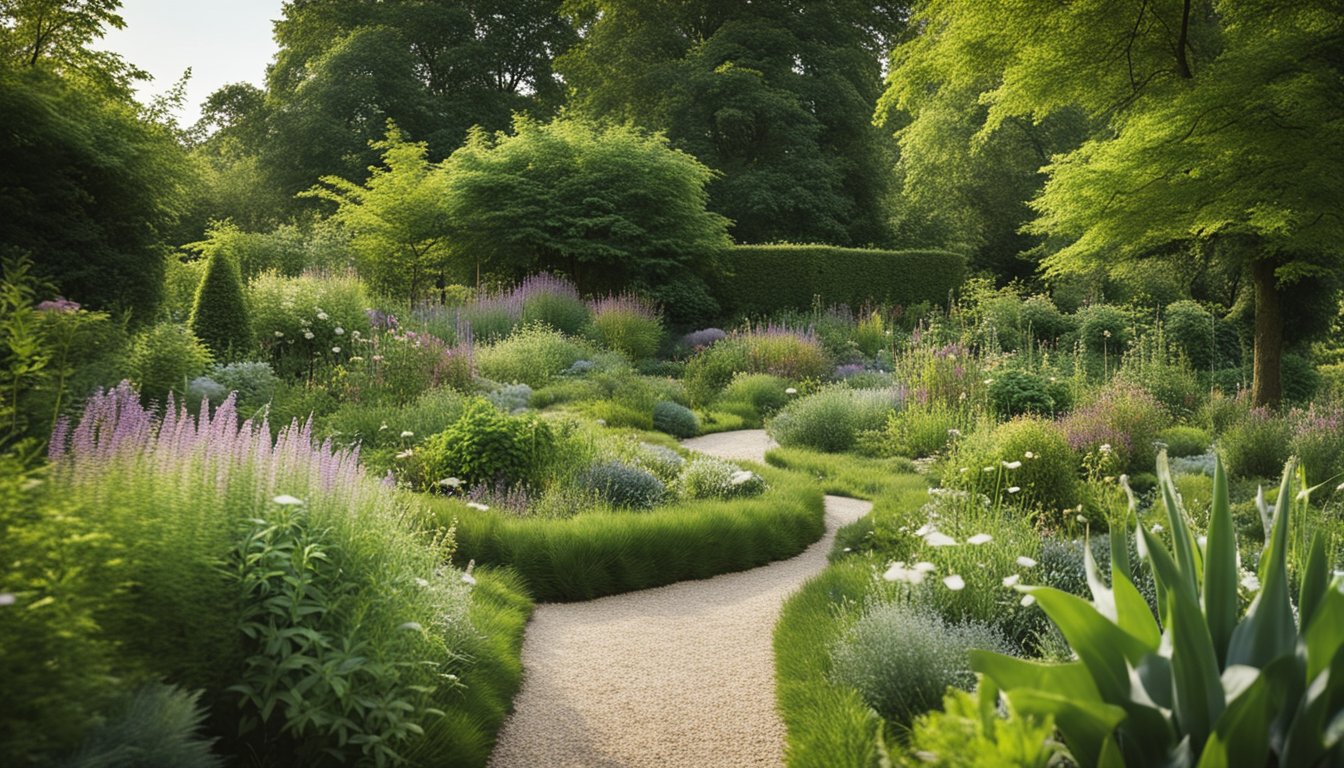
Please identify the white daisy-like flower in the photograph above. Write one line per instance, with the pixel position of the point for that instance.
(1012, 464)
(336, 350)
(1012, 580)
(980, 538)
(954, 583)
(339, 331)
(987, 469)
(1028, 455)
(1105, 448)
(898, 572)
(407, 433)
(1026, 562)
(450, 482)
(285, 500)
(478, 506)
(1028, 601)
(924, 566)
(322, 315)
(308, 335)
(791, 391)
(1251, 582)
(406, 454)
(1014, 489)
(279, 334)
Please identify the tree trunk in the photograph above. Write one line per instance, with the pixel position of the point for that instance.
(1267, 380)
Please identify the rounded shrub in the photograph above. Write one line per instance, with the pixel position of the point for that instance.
(219, 315)
(832, 418)
(1193, 330)
(901, 658)
(1102, 327)
(1300, 379)
(1013, 393)
(300, 320)
(1184, 441)
(1042, 319)
(776, 350)
(164, 358)
(1257, 445)
(531, 355)
(660, 460)
(1318, 441)
(676, 420)
(510, 398)
(552, 301)
(627, 324)
(764, 393)
(1029, 454)
(486, 447)
(623, 485)
(254, 381)
(710, 478)
(685, 299)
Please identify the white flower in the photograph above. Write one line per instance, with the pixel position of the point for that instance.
(1080, 518)
(1028, 455)
(898, 572)
(450, 482)
(924, 566)
(279, 334)
(1011, 581)
(1012, 464)
(407, 433)
(1105, 448)
(1157, 528)
(954, 583)
(478, 506)
(740, 477)
(7, 598)
(954, 432)
(963, 470)
(791, 391)
(1026, 562)
(980, 538)
(987, 469)
(412, 626)
(939, 539)
(321, 315)
(339, 331)
(1028, 601)
(1251, 582)
(285, 500)
(308, 335)
(406, 454)
(336, 350)
(1014, 489)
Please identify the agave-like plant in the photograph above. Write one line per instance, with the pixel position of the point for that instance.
(1206, 685)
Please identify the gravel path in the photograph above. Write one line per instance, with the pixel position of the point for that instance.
(681, 675)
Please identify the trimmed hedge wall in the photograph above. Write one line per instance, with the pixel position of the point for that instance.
(769, 277)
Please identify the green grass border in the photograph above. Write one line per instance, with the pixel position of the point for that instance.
(596, 554)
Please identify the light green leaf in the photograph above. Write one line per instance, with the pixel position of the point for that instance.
(1220, 568)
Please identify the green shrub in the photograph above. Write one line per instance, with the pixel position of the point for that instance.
(971, 732)
(1042, 319)
(531, 355)
(765, 278)
(1103, 329)
(1154, 364)
(1193, 330)
(627, 324)
(181, 280)
(624, 486)
(765, 394)
(901, 658)
(923, 429)
(164, 358)
(1257, 445)
(486, 447)
(219, 315)
(381, 431)
(302, 321)
(552, 301)
(1318, 441)
(832, 418)
(511, 398)
(660, 460)
(710, 478)
(1027, 453)
(613, 414)
(1014, 393)
(676, 420)
(254, 382)
(776, 350)
(685, 299)
(1123, 416)
(1300, 379)
(155, 725)
(1184, 441)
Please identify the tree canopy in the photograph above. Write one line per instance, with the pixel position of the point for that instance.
(1211, 122)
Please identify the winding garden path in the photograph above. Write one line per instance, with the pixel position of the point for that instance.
(681, 675)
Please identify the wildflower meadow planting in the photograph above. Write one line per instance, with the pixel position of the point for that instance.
(603, 384)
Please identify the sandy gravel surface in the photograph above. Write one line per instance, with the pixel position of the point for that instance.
(681, 675)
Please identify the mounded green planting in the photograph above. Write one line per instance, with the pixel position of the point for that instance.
(600, 553)
(847, 474)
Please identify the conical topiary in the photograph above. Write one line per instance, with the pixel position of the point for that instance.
(219, 313)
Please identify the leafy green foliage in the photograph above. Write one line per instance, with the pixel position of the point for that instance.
(301, 321)
(1184, 441)
(762, 393)
(902, 657)
(164, 358)
(765, 278)
(532, 354)
(1121, 416)
(289, 249)
(676, 420)
(156, 725)
(606, 205)
(219, 316)
(710, 478)
(923, 429)
(832, 418)
(780, 352)
(1013, 393)
(997, 461)
(1207, 683)
(487, 447)
(1257, 445)
(628, 325)
(969, 732)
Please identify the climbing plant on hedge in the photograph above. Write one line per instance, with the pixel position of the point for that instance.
(219, 316)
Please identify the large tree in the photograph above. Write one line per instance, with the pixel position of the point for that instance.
(775, 95)
(435, 67)
(1216, 122)
(90, 184)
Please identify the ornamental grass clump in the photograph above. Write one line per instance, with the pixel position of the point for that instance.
(1123, 416)
(628, 324)
(551, 300)
(832, 418)
(709, 478)
(1206, 682)
(778, 350)
(267, 567)
(533, 355)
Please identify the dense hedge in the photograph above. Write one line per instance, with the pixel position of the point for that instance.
(595, 554)
(766, 278)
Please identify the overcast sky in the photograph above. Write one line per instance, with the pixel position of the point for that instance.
(223, 41)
